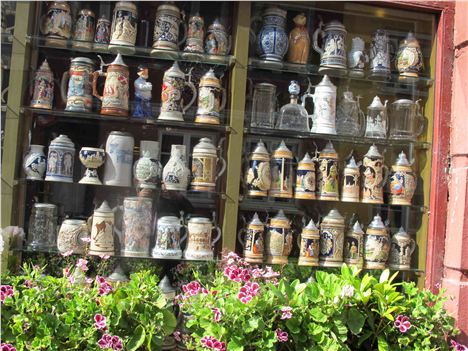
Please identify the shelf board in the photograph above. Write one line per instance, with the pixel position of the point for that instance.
(7, 38)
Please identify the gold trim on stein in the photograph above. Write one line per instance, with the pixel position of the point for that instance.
(253, 242)
(258, 173)
(309, 245)
(305, 179)
(376, 245)
(281, 172)
(402, 247)
(402, 182)
(332, 239)
(373, 176)
(327, 174)
(354, 246)
(350, 191)
(278, 239)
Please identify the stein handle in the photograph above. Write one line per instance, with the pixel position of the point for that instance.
(385, 176)
(96, 75)
(184, 237)
(63, 85)
(315, 39)
(239, 236)
(420, 118)
(218, 230)
(412, 246)
(223, 167)
(310, 118)
(194, 96)
(89, 223)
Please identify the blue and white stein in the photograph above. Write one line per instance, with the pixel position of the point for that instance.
(60, 160)
(272, 40)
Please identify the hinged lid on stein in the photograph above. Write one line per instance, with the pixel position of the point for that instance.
(205, 146)
(402, 160)
(282, 151)
(310, 227)
(373, 152)
(334, 216)
(256, 220)
(260, 149)
(377, 223)
(328, 150)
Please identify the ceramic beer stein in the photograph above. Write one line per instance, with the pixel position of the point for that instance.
(374, 176)
(124, 28)
(204, 164)
(380, 49)
(305, 179)
(42, 230)
(70, 234)
(402, 247)
(409, 58)
(56, 24)
(402, 181)
(175, 172)
(60, 160)
(79, 77)
(309, 245)
(43, 87)
(195, 35)
(168, 238)
(217, 41)
(84, 30)
(258, 173)
(166, 30)
(211, 99)
(332, 239)
(333, 50)
(357, 58)
(115, 96)
(281, 172)
(199, 243)
(119, 159)
(136, 226)
(349, 116)
(92, 158)
(147, 170)
(299, 41)
(272, 40)
(279, 239)
(102, 231)
(350, 191)
(327, 174)
(172, 104)
(376, 245)
(102, 33)
(324, 107)
(34, 163)
(406, 120)
(376, 119)
(354, 246)
(253, 244)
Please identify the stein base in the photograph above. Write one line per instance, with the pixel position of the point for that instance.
(90, 180)
(88, 45)
(134, 253)
(305, 196)
(334, 70)
(356, 74)
(167, 254)
(175, 188)
(217, 58)
(331, 131)
(100, 253)
(101, 46)
(271, 63)
(308, 262)
(353, 263)
(374, 265)
(408, 75)
(117, 183)
(369, 201)
(34, 178)
(171, 117)
(58, 179)
(192, 55)
(164, 53)
(328, 198)
(257, 193)
(203, 188)
(143, 185)
(409, 137)
(399, 202)
(379, 75)
(206, 119)
(331, 263)
(78, 109)
(350, 199)
(399, 266)
(121, 49)
(253, 258)
(277, 259)
(208, 256)
(43, 106)
(58, 41)
(281, 195)
(107, 111)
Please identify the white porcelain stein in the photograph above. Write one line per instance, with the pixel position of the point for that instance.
(199, 242)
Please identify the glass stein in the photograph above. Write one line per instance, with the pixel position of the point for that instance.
(406, 120)
(377, 119)
(42, 227)
(349, 116)
(263, 106)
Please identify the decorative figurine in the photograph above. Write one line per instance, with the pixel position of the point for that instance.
(332, 239)
(374, 176)
(333, 52)
(115, 94)
(102, 33)
(34, 163)
(195, 35)
(281, 172)
(349, 116)
(166, 30)
(43, 89)
(402, 182)
(324, 107)
(263, 106)
(60, 160)
(294, 116)
(309, 245)
(175, 172)
(258, 174)
(199, 243)
(376, 245)
(279, 239)
(327, 176)
(42, 231)
(305, 179)
(351, 181)
(119, 159)
(136, 226)
(168, 239)
(57, 23)
(354, 246)
(70, 236)
(357, 58)
(380, 55)
(406, 120)
(147, 170)
(409, 58)
(102, 231)
(84, 30)
(253, 244)
(299, 41)
(211, 99)
(376, 119)
(272, 40)
(204, 162)
(172, 104)
(402, 247)
(143, 94)
(124, 28)
(92, 158)
(217, 40)
(79, 76)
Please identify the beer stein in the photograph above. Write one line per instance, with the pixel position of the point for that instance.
(380, 48)
(309, 245)
(333, 51)
(253, 245)
(115, 96)
(357, 58)
(136, 226)
(204, 162)
(199, 243)
(327, 175)
(332, 239)
(349, 116)
(102, 33)
(175, 172)
(34, 162)
(119, 159)
(92, 158)
(147, 170)
(43, 87)
(374, 176)
(299, 41)
(402, 247)
(324, 107)
(211, 99)
(264, 106)
(354, 246)
(195, 35)
(406, 120)
(79, 77)
(305, 179)
(217, 40)
(351, 182)
(70, 236)
(124, 28)
(272, 40)
(402, 182)
(409, 58)
(172, 104)
(60, 160)
(376, 119)
(42, 229)
(258, 173)
(56, 24)
(166, 30)
(168, 239)
(84, 30)
(281, 172)
(279, 239)
(102, 230)
(376, 245)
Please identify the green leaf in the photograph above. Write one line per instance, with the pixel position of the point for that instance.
(170, 322)
(137, 339)
(356, 320)
(235, 345)
(383, 345)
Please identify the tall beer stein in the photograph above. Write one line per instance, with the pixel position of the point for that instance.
(376, 245)
(374, 176)
(281, 172)
(380, 48)
(60, 160)
(119, 159)
(349, 116)
(217, 40)
(56, 24)
(84, 29)
(70, 236)
(409, 58)
(305, 179)
(211, 99)
(279, 239)
(327, 174)
(136, 226)
(357, 58)
(376, 119)
(204, 162)
(324, 107)
(124, 28)
(199, 243)
(272, 40)
(253, 244)
(333, 51)
(332, 239)
(258, 173)
(309, 244)
(195, 35)
(350, 191)
(354, 246)
(402, 181)
(43, 87)
(102, 231)
(166, 29)
(168, 238)
(102, 33)
(402, 247)
(79, 78)
(42, 229)
(406, 119)
(115, 96)
(172, 104)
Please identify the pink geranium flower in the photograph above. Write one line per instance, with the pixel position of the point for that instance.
(248, 291)
(281, 335)
(212, 343)
(5, 291)
(216, 314)
(104, 287)
(100, 322)
(192, 288)
(110, 342)
(67, 253)
(286, 312)
(82, 264)
(457, 346)
(86, 239)
(402, 323)
(7, 347)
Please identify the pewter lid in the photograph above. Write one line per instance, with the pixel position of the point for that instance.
(150, 148)
(357, 228)
(119, 61)
(402, 160)
(118, 275)
(82, 59)
(205, 145)
(261, 149)
(202, 220)
(64, 140)
(306, 159)
(376, 103)
(44, 66)
(335, 24)
(358, 43)
(403, 102)
(86, 12)
(209, 74)
(348, 95)
(255, 220)
(169, 219)
(119, 133)
(377, 223)
(311, 225)
(45, 205)
(401, 233)
(326, 82)
(265, 86)
(126, 5)
(275, 10)
(352, 163)
(334, 214)
(217, 25)
(175, 70)
(103, 18)
(410, 37)
(72, 221)
(166, 286)
(373, 152)
(280, 216)
(104, 208)
(168, 6)
(328, 148)
(283, 149)
(294, 88)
